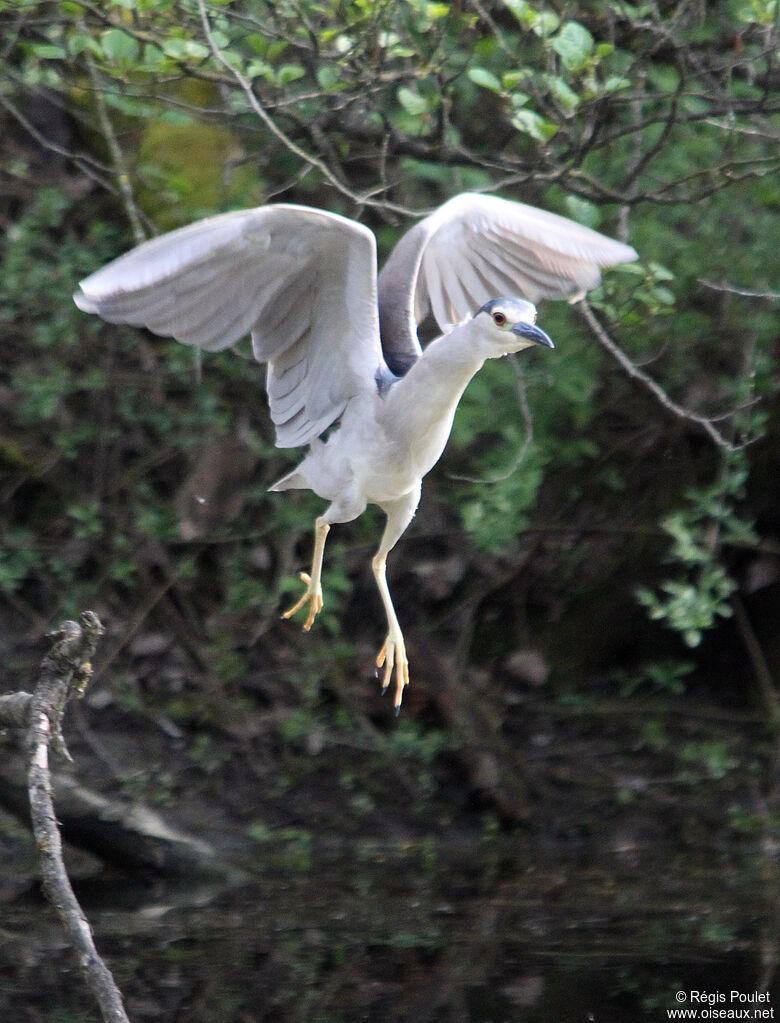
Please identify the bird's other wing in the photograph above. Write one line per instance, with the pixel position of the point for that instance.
(303, 283)
(476, 247)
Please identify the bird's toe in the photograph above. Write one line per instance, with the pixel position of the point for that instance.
(312, 597)
(393, 656)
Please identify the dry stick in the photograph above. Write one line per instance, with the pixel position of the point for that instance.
(65, 673)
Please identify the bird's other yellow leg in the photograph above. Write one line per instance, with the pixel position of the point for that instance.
(313, 594)
(393, 653)
(392, 656)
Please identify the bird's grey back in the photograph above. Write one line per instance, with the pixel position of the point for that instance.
(395, 293)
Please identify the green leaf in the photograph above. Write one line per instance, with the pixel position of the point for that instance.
(327, 76)
(582, 211)
(564, 94)
(118, 47)
(289, 73)
(181, 49)
(532, 124)
(521, 10)
(47, 51)
(259, 69)
(486, 79)
(412, 102)
(511, 79)
(574, 45)
(257, 43)
(277, 47)
(79, 43)
(763, 12)
(615, 82)
(519, 99)
(544, 23)
(664, 295)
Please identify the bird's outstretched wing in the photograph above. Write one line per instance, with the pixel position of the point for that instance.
(300, 280)
(474, 248)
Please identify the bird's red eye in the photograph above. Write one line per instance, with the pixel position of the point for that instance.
(499, 319)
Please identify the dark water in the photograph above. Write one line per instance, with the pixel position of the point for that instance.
(432, 930)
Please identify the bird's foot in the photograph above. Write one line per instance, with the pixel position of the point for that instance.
(312, 596)
(393, 656)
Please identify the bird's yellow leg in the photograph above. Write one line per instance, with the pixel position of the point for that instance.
(392, 656)
(313, 594)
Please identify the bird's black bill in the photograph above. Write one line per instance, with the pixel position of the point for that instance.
(530, 332)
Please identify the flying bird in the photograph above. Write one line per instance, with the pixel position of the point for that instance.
(341, 343)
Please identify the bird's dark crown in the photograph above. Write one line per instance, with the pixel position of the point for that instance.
(507, 305)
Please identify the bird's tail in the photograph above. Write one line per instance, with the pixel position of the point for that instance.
(292, 481)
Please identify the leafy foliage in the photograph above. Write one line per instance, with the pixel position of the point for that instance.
(699, 532)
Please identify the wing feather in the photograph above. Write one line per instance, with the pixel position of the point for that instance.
(478, 247)
(301, 281)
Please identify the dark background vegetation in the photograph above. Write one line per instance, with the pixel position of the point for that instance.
(590, 589)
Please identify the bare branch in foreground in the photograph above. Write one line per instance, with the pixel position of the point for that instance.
(64, 674)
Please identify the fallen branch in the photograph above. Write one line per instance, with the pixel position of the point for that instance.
(124, 833)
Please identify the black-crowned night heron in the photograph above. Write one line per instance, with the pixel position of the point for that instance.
(341, 343)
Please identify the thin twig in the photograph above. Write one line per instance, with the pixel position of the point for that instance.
(117, 156)
(706, 423)
(772, 296)
(528, 421)
(761, 669)
(86, 164)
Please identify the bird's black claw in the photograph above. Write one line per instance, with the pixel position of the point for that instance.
(398, 710)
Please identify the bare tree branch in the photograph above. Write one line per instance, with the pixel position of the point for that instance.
(86, 164)
(64, 674)
(117, 156)
(771, 296)
(706, 423)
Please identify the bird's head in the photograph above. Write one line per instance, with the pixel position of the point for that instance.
(510, 325)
